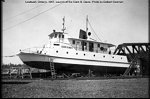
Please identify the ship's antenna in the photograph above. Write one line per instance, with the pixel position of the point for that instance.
(87, 24)
(64, 28)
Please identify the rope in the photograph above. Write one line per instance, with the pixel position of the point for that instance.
(30, 18)
(7, 19)
(94, 31)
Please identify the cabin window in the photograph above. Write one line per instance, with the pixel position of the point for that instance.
(55, 36)
(104, 49)
(56, 44)
(98, 45)
(91, 47)
(62, 36)
(73, 42)
(78, 42)
(83, 45)
(59, 35)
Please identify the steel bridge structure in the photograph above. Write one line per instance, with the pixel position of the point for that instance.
(138, 54)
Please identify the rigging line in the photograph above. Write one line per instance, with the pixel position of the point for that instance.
(94, 31)
(7, 19)
(11, 55)
(31, 18)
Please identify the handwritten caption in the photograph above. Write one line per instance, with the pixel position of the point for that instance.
(74, 1)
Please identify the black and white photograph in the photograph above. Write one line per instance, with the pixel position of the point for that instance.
(75, 49)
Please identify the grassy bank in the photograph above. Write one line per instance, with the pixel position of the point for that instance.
(106, 88)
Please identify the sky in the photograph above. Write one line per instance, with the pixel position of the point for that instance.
(26, 25)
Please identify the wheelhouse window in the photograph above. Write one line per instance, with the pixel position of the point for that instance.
(56, 44)
(59, 35)
(62, 36)
(84, 46)
(91, 47)
(73, 41)
(55, 36)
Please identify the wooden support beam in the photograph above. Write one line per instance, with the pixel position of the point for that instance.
(123, 50)
(128, 50)
(130, 56)
(147, 48)
(137, 50)
(117, 49)
(142, 49)
(134, 47)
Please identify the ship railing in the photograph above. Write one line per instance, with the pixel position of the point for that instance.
(86, 49)
(33, 50)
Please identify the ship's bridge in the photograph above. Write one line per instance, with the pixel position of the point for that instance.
(58, 37)
(59, 40)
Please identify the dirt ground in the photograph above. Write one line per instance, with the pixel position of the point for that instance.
(102, 88)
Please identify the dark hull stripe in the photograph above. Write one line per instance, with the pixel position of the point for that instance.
(63, 68)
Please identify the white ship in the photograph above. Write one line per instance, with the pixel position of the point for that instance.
(75, 55)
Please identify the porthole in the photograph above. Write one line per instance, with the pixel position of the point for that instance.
(121, 57)
(113, 57)
(102, 48)
(67, 52)
(104, 56)
(84, 54)
(76, 53)
(56, 51)
(94, 55)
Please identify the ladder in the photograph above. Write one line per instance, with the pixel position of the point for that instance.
(132, 64)
(52, 69)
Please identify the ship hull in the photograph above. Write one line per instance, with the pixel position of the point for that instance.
(77, 68)
(70, 65)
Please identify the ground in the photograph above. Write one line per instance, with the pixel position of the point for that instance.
(100, 88)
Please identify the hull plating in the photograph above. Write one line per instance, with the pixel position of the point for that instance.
(63, 64)
(63, 68)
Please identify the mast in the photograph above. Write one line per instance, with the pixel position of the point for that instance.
(64, 28)
(86, 24)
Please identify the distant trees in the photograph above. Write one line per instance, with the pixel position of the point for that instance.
(7, 66)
